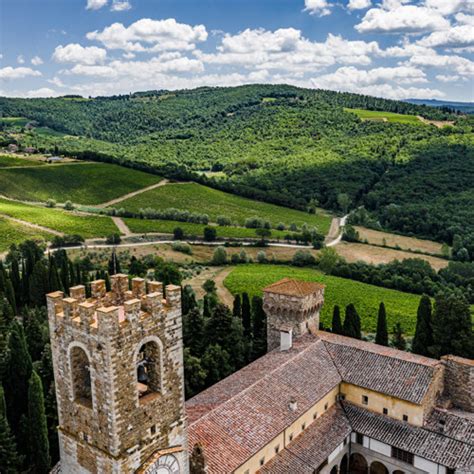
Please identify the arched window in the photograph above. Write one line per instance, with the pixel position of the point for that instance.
(333, 470)
(81, 376)
(357, 464)
(149, 369)
(343, 466)
(378, 468)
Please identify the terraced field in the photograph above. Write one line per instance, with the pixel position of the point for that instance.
(82, 183)
(14, 233)
(167, 227)
(61, 221)
(400, 306)
(197, 198)
(381, 116)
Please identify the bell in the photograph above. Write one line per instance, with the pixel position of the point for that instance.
(142, 375)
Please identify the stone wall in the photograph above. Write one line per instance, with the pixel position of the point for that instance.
(459, 381)
(116, 430)
(299, 313)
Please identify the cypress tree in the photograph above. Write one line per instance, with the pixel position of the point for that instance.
(351, 326)
(193, 332)
(9, 459)
(194, 374)
(382, 333)
(452, 326)
(34, 333)
(38, 284)
(336, 321)
(246, 315)
(17, 374)
(423, 338)
(114, 264)
(259, 328)
(15, 278)
(237, 308)
(216, 363)
(188, 299)
(39, 445)
(53, 274)
(398, 339)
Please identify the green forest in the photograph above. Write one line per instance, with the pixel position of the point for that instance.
(295, 147)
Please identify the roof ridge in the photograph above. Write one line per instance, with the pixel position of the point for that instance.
(246, 389)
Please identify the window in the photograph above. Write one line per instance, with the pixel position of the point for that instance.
(303, 426)
(405, 417)
(450, 470)
(326, 406)
(277, 448)
(290, 437)
(345, 441)
(402, 455)
(149, 369)
(262, 461)
(385, 411)
(365, 400)
(153, 430)
(85, 437)
(81, 377)
(315, 415)
(359, 438)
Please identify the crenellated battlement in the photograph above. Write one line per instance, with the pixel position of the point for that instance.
(128, 303)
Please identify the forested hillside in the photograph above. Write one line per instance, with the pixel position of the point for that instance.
(281, 144)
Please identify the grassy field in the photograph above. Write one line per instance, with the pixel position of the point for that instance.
(7, 161)
(82, 183)
(18, 121)
(167, 227)
(384, 116)
(61, 221)
(400, 306)
(197, 198)
(14, 233)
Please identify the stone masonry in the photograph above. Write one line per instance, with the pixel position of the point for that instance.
(459, 381)
(106, 424)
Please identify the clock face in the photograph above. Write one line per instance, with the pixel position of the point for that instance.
(167, 464)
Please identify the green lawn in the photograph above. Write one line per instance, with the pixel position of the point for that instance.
(190, 229)
(19, 121)
(14, 233)
(197, 198)
(62, 221)
(384, 116)
(82, 183)
(7, 161)
(400, 306)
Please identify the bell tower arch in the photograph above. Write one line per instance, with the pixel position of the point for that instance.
(118, 370)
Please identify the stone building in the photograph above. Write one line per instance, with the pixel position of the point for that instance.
(315, 403)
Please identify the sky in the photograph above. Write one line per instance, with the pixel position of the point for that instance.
(396, 49)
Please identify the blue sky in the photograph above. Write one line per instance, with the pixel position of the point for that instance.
(389, 48)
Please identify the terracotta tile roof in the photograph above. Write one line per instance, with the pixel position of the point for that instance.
(313, 446)
(454, 423)
(382, 369)
(423, 442)
(238, 416)
(290, 287)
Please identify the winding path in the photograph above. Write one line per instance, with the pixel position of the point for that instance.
(340, 222)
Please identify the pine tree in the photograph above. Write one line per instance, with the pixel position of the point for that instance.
(9, 459)
(237, 307)
(336, 321)
(246, 315)
(38, 284)
(39, 445)
(18, 372)
(381, 336)
(398, 339)
(452, 326)
(259, 328)
(423, 338)
(351, 326)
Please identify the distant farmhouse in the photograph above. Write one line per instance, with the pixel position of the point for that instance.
(54, 159)
(315, 403)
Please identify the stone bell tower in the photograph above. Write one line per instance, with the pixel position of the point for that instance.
(118, 368)
(292, 308)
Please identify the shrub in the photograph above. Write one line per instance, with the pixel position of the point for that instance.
(243, 256)
(220, 256)
(113, 239)
(50, 203)
(223, 221)
(210, 234)
(182, 247)
(261, 257)
(350, 234)
(235, 258)
(178, 233)
(67, 241)
(281, 226)
(303, 258)
(69, 206)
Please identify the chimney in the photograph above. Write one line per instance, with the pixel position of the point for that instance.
(286, 339)
(293, 405)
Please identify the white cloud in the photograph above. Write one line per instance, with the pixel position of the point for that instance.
(402, 19)
(95, 4)
(450, 78)
(448, 7)
(17, 72)
(75, 53)
(455, 37)
(20, 59)
(157, 35)
(455, 64)
(287, 50)
(120, 6)
(317, 7)
(465, 19)
(56, 82)
(42, 92)
(36, 61)
(381, 82)
(359, 4)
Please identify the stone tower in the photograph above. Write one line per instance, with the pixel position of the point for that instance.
(292, 308)
(118, 368)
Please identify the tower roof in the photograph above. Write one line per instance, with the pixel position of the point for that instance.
(291, 287)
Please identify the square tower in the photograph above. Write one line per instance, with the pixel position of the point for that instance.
(292, 306)
(118, 368)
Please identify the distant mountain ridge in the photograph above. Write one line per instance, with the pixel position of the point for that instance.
(466, 107)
